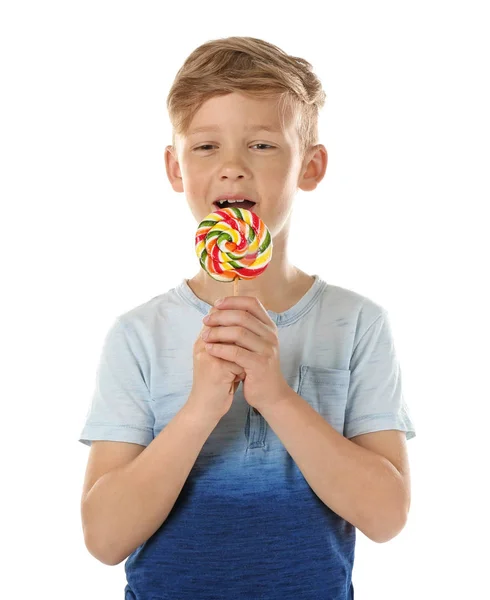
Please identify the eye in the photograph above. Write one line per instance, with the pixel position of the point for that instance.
(212, 145)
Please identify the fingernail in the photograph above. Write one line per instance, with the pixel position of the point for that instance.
(219, 301)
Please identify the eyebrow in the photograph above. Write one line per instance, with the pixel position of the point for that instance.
(250, 128)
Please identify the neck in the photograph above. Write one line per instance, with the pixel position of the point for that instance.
(276, 288)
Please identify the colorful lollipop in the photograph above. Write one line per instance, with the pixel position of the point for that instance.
(232, 244)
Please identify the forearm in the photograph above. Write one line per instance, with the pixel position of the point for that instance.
(361, 486)
(127, 505)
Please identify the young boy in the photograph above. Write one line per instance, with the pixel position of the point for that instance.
(253, 493)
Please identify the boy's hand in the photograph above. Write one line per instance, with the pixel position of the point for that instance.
(214, 381)
(242, 332)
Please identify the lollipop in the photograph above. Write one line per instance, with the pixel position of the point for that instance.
(232, 244)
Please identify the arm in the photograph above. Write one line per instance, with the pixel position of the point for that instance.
(361, 486)
(127, 505)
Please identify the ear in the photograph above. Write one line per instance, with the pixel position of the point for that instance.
(313, 168)
(173, 169)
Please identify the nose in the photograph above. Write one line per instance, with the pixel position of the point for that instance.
(231, 175)
(232, 172)
(233, 168)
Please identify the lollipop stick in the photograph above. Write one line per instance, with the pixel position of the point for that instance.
(235, 293)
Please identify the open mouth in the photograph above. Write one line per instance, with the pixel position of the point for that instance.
(248, 204)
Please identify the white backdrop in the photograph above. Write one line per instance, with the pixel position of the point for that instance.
(85, 235)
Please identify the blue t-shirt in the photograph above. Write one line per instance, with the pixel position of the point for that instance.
(246, 524)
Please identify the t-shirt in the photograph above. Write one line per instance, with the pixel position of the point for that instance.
(246, 524)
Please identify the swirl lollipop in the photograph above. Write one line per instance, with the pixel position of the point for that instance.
(232, 244)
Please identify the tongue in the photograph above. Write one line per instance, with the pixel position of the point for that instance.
(245, 204)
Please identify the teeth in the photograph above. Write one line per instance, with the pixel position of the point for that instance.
(231, 201)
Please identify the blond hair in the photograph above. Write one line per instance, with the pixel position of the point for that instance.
(252, 67)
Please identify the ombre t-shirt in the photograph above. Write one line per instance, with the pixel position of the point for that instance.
(247, 525)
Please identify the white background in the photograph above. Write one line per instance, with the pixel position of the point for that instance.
(91, 226)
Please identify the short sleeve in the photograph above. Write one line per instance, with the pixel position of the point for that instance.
(120, 410)
(375, 398)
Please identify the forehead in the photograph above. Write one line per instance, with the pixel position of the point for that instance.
(239, 112)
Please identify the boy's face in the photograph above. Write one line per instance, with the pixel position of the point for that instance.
(232, 160)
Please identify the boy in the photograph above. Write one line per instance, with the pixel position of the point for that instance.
(212, 494)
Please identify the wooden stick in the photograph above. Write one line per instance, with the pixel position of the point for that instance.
(235, 293)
